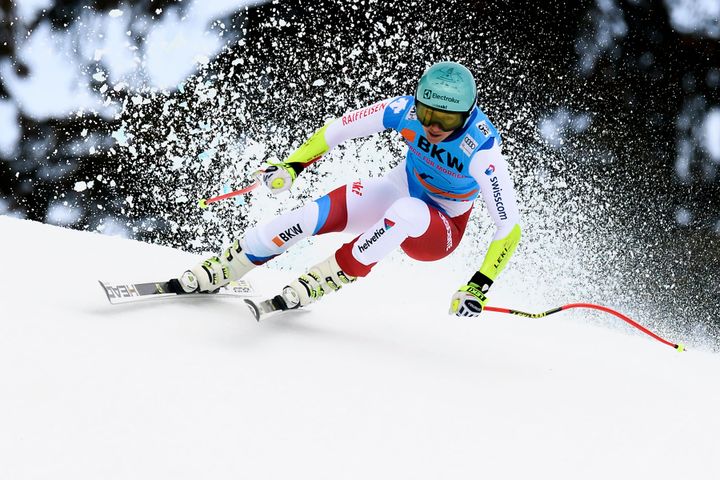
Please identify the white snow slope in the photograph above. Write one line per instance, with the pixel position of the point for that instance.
(376, 381)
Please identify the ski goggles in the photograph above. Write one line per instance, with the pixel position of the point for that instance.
(447, 121)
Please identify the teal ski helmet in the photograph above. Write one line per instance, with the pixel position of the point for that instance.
(447, 86)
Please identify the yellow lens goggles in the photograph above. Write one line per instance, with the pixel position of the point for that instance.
(447, 121)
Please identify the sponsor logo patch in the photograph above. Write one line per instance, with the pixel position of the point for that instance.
(398, 105)
(389, 224)
(350, 117)
(448, 232)
(490, 170)
(357, 188)
(412, 114)
(449, 75)
(286, 235)
(499, 259)
(440, 154)
(497, 197)
(122, 291)
(370, 241)
(483, 127)
(468, 145)
(445, 98)
(408, 134)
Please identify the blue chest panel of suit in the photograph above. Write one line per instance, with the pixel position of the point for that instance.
(441, 170)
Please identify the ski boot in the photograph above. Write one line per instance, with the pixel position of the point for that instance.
(323, 278)
(215, 272)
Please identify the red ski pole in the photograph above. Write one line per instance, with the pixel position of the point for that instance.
(677, 346)
(204, 202)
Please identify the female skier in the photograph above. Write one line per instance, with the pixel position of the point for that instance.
(422, 205)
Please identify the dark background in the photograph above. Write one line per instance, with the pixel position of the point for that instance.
(604, 97)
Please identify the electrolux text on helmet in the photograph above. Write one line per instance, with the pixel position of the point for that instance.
(428, 94)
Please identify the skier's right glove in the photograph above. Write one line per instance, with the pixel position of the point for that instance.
(278, 177)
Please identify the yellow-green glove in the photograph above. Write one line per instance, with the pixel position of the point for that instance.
(278, 177)
(468, 301)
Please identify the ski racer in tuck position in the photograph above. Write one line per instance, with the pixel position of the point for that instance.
(422, 205)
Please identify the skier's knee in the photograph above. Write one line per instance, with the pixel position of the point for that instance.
(412, 213)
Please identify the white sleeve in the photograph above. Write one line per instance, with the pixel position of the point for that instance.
(490, 171)
(357, 123)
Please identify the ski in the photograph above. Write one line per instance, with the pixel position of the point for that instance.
(133, 292)
(261, 310)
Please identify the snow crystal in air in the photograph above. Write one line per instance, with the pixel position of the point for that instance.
(712, 134)
(177, 43)
(206, 157)
(683, 216)
(120, 136)
(9, 128)
(27, 10)
(50, 89)
(63, 214)
(116, 13)
(112, 227)
(695, 16)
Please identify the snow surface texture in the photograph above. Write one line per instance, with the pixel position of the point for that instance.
(371, 383)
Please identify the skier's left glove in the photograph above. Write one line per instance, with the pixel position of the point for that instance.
(278, 177)
(468, 301)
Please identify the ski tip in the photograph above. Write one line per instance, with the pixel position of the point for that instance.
(254, 309)
(104, 287)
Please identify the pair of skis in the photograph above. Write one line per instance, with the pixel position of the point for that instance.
(134, 292)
